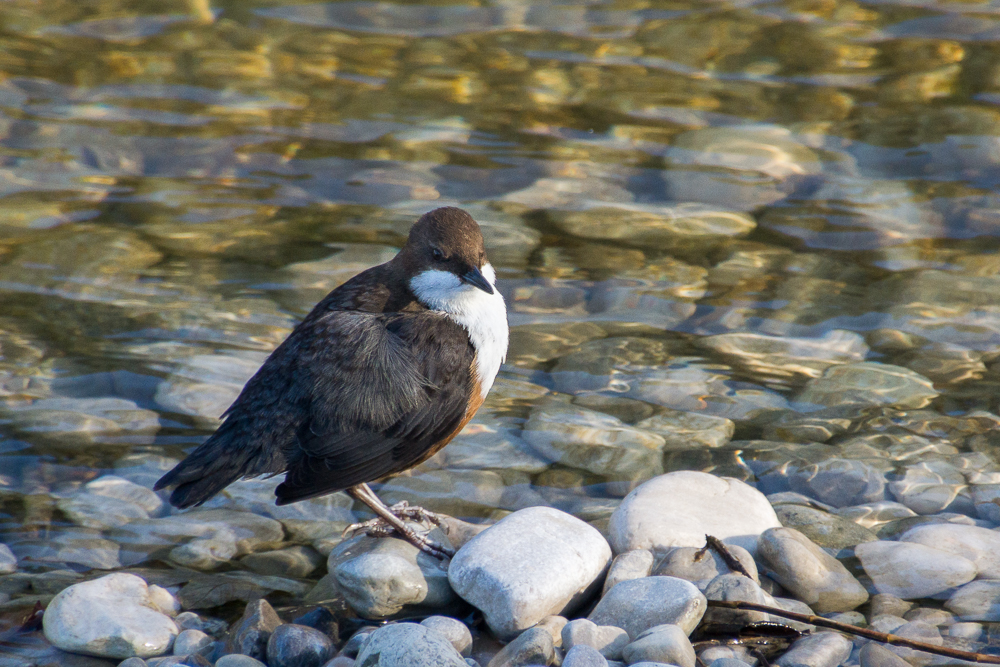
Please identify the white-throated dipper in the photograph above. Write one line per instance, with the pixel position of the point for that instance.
(381, 375)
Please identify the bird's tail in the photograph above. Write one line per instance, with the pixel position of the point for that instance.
(218, 462)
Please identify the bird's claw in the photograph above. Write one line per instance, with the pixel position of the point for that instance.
(379, 527)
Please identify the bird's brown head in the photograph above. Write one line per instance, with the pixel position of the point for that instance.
(448, 240)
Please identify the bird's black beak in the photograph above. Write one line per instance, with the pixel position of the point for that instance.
(476, 278)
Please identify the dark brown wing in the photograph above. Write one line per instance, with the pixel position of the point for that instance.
(416, 377)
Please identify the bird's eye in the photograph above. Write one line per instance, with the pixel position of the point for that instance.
(437, 254)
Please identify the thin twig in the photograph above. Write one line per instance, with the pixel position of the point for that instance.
(719, 547)
(883, 637)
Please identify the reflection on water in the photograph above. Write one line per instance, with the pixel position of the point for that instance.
(726, 231)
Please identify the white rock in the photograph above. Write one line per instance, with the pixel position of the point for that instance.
(814, 576)
(8, 561)
(164, 601)
(639, 604)
(980, 545)
(678, 509)
(662, 643)
(533, 563)
(454, 630)
(910, 571)
(111, 617)
(629, 565)
(978, 601)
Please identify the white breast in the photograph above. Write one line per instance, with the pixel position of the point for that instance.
(483, 315)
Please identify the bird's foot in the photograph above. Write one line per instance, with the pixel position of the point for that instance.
(401, 511)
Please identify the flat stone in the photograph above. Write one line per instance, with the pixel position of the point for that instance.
(684, 563)
(250, 634)
(811, 574)
(531, 564)
(409, 645)
(976, 601)
(607, 640)
(532, 647)
(683, 430)
(633, 564)
(822, 649)
(874, 654)
(298, 561)
(869, 382)
(979, 545)
(911, 571)
(293, 645)
(454, 630)
(593, 441)
(639, 604)
(786, 358)
(884, 603)
(379, 577)
(662, 643)
(825, 529)
(678, 509)
(839, 482)
(582, 655)
(930, 487)
(110, 617)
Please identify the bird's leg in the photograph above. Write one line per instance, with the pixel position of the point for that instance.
(390, 519)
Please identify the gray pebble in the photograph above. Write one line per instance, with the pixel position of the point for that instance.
(884, 603)
(250, 634)
(191, 641)
(633, 564)
(663, 643)
(640, 604)
(293, 645)
(823, 649)
(340, 661)
(727, 662)
(582, 655)
(876, 655)
(238, 660)
(132, 662)
(410, 645)
(454, 630)
(685, 563)
(533, 646)
(355, 644)
(607, 640)
(188, 620)
(977, 601)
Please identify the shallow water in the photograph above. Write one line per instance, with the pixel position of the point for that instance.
(711, 207)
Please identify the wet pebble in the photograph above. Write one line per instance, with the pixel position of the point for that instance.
(869, 382)
(533, 563)
(976, 601)
(454, 630)
(298, 561)
(661, 643)
(250, 634)
(110, 617)
(238, 660)
(930, 487)
(608, 640)
(409, 645)
(191, 641)
(814, 576)
(639, 604)
(680, 508)
(875, 655)
(979, 545)
(681, 430)
(736, 587)
(912, 571)
(293, 645)
(825, 529)
(839, 482)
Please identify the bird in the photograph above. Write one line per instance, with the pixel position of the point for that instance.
(380, 375)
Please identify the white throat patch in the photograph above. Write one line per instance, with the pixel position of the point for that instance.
(483, 315)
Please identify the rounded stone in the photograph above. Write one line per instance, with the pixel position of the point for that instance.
(534, 646)
(678, 509)
(293, 645)
(977, 601)
(661, 643)
(639, 604)
(700, 568)
(191, 641)
(582, 655)
(629, 565)
(111, 617)
(238, 660)
(875, 655)
(911, 571)
(811, 574)
(822, 649)
(531, 564)
(408, 645)
(454, 630)
(979, 545)
(869, 382)
(607, 640)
